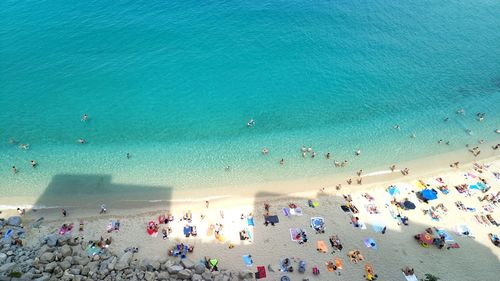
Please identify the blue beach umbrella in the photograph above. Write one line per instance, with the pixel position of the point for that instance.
(409, 205)
(429, 194)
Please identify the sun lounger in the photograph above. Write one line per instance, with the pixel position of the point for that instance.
(321, 246)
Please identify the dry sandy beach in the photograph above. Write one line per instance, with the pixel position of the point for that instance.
(476, 259)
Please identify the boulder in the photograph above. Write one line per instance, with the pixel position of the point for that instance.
(174, 269)
(196, 277)
(156, 265)
(124, 261)
(44, 277)
(245, 274)
(80, 260)
(50, 267)
(65, 265)
(66, 251)
(7, 267)
(47, 257)
(51, 239)
(112, 263)
(163, 276)
(187, 263)
(206, 275)
(3, 257)
(185, 274)
(14, 221)
(199, 268)
(75, 271)
(149, 276)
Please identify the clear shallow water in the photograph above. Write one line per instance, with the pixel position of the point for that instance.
(174, 83)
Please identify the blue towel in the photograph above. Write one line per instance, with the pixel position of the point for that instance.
(247, 260)
(250, 222)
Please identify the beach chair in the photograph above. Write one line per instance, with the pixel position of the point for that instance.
(321, 246)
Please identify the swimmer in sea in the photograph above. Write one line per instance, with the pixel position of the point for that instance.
(461, 111)
(304, 154)
(14, 170)
(497, 131)
(227, 169)
(309, 149)
(24, 146)
(81, 141)
(128, 155)
(33, 163)
(251, 123)
(468, 131)
(413, 136)
(85, 117)
(265, 151)
(358, 152)
(282, 162)
(303, 149)
(313, 154)
(440, 141)
(446, 119)
(328, 155)
(397, 127)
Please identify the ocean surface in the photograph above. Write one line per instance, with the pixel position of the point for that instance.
(174, 83)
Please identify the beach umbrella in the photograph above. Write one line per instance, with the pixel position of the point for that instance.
(409, 205)
(429, 194)
(426, 238)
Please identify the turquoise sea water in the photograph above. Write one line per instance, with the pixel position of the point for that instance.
(174, 83)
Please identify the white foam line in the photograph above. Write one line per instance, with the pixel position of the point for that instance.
(378, 173)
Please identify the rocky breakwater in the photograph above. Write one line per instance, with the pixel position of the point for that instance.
(63, 257)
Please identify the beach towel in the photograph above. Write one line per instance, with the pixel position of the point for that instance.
(295, 234)
(463, 230)
(261, 272)
(92, 251)
(338, 263)
(286, 212)
(247, 259)
(321, 246)
(370, 243)
(187, 230)
(378, 225)
(8, 234)
(273, 219)
(393, 190)
(250, 221)
(447, 236)
(421, 184)
(318, 223)
(296, 211)
(410, 277)
(249, 233)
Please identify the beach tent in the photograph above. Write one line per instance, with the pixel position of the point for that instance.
(429, 194)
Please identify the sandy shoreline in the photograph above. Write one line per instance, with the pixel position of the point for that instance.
(475, 260)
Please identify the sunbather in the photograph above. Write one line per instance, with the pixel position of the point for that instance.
(408, 271)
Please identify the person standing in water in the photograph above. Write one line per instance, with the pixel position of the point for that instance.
(14, 170)
(128, 155)
(85, 117)
(33, 163)
(282, 162)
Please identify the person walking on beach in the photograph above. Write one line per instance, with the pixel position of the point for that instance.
(63, 212)
(103, 209)
(393, 167)
(14, 170)
(33, 163)
(206, 204)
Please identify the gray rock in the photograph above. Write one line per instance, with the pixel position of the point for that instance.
(14, 221)
(65, 265)
(80, 260)
(44, 277)
(75, 271)
(245, 274)
(199, 268)
(187, 263)
(196, 277)
(174, 269)
(3, 257)
(124, 261)
(47, 257)
(185, 274)
(112, 263)
(51, 239)
(206, 276)
(156, 265)
(50, 267)
(163, 276)
(7, 267)
(66, 251)
(149, 276)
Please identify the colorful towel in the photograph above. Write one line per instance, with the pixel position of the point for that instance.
(321, 246)
(247, 259)
(261, 272)
(370, 243)
(286, 212)
(295, 234)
